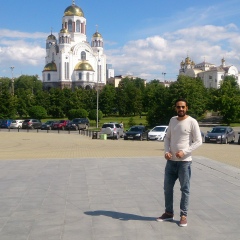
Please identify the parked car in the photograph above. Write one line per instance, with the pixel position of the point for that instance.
(60, 124)
(78, 124)
(47, 125)
(158, 133)
(220, 134)
(112, 129)
(31, 124)
(5, 123)
(16, 123)
(138, 132)
(238, 138)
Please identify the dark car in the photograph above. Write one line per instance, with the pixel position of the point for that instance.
(78, 124)
(31, 124)
(5, 123)
(47, 125)
(138, 132)
(220, 134)
(60, 125)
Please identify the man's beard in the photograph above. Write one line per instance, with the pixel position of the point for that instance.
(181, 114)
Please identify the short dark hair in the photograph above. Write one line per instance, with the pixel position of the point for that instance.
(181, 100)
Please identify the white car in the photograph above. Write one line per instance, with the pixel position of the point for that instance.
(16, 124)
(113, 130)
(158, 133)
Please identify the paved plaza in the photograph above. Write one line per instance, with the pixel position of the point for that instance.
(69, 186)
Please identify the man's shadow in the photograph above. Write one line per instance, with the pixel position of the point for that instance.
(119, 215)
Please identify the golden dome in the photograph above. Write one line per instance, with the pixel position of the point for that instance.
(64, 30)
(83, 66)
(51, 37)
(188, 60)
(50, 67)
(97, 34)
(73, 10)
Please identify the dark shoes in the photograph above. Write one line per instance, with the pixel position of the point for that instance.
(169, 217)
(183, 221)
(165, 217)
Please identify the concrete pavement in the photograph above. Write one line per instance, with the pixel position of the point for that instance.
(68, 186)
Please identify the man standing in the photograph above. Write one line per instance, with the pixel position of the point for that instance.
(183, 136)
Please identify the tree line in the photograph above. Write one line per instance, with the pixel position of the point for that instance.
(132, 97)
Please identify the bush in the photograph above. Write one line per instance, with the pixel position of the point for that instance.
(77, 113)
(131, 122)
(37, 112)
(93, 115)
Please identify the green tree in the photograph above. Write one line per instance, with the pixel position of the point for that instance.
(156, 103)
(227, 101)
(57, 102)
(130, 96)
(8, 102)
(107, 99)
(193, 90)
(93, 115)
(37, 112)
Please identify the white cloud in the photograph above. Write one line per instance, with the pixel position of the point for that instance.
(16, 34)
(149, 57)
(24, 51)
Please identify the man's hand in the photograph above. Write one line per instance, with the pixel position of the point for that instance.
(179, 154)
(168, 155)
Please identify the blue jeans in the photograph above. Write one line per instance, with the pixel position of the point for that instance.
(177, 170)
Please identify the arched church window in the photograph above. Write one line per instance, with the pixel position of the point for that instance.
(88, 76)
(70, 25)
(80, 76)
(78, 26)
(83, 55)
(52, 56)
(49, 77)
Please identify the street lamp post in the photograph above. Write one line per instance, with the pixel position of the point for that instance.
(12, 80)
(98, 66)
(163, 73)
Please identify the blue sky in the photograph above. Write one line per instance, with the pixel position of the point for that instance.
(144, 39)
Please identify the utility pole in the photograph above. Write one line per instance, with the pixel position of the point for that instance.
(12, 81)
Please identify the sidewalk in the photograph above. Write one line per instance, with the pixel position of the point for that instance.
(115, 198)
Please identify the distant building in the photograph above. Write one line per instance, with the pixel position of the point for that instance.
(166, 83)
(70, 60)
(210, 74)
(117, 79)
(110, 71)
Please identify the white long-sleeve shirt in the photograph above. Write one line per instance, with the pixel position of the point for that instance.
(182, 135)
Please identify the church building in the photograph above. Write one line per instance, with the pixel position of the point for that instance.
(71, 61)
(210, 74)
